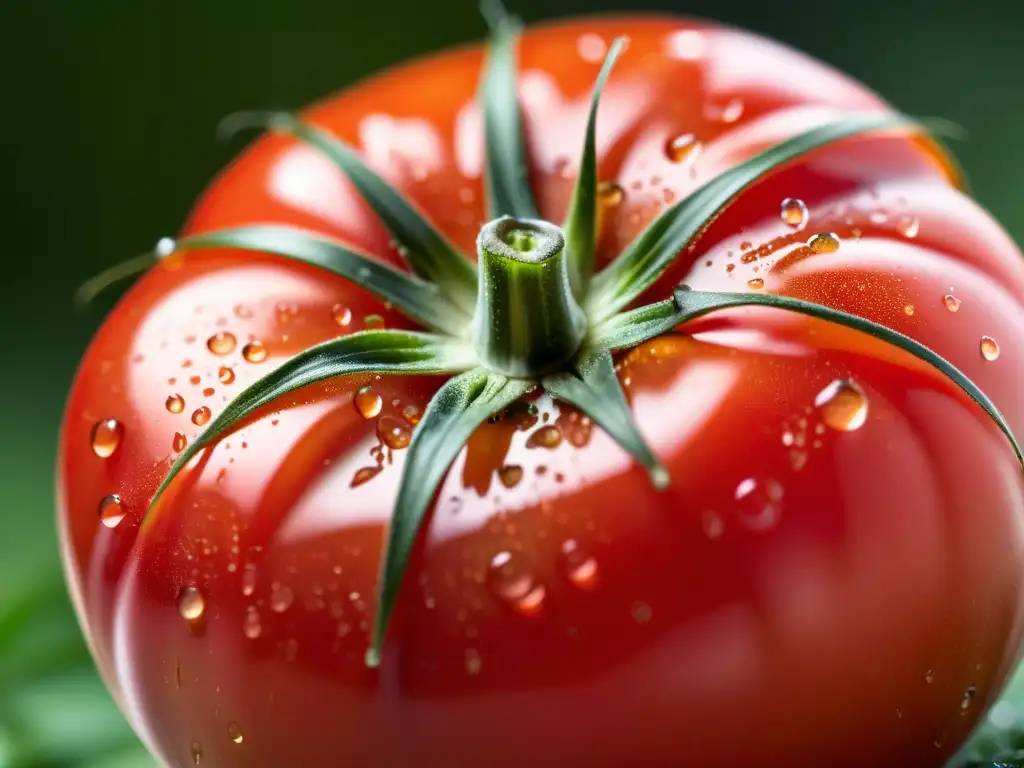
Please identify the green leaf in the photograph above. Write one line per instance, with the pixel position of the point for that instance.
(633, 327)
(594, 388)
(427, 252)
(460, 406)
(421, 301)
(654, 249)
(581, 223)
(508, 185)
(380, 352)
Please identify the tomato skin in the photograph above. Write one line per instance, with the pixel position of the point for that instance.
(802, 595)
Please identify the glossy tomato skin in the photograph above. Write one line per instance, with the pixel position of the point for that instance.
(820, 585)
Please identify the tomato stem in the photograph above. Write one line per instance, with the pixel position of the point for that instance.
(527, 321)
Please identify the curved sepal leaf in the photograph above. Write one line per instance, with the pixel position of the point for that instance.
(460, 406)
(594, 388)
(581, 223)
(631, 328)
(506, 177)
(416, 299)
(379, 352)
(427, 252)
(654, 249)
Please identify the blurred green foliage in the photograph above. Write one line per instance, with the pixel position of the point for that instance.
(107, 137)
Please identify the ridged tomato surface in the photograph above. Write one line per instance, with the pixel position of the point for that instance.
(834, 576)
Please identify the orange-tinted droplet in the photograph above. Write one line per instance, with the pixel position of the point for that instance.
(106, 437)
(254, 352)
(794, 212)
(179, 442)
(755, 283)
(909, 310)
(112, 510)
(364, 475)
(546, 437)
(225, 375)
(209, 392)
(683, 148)
(412, 414)
(191, 603)
(368, 402)
(175, 403)
(510, 579)
(200, 416)
(989, 348)
(221, 343)
(610, 194)
(342, 315)
(951, 302)
(374, 323)
(843, 405)
(395, 434)
(510, 475)
(824, 242)
(235, 732)
(908, 226)
(580, 568)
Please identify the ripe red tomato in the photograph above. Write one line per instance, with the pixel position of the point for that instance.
(834, 577)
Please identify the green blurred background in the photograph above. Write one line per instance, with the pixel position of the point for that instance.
(107, 132)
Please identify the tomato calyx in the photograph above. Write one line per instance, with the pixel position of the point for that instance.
(531, 313)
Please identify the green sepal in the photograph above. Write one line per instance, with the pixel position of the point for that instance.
(594, 388)
(427, 252)
(507, 176)
(633, 327)
(461, 405)
(417, 299)
(581, 222)
(379, 352)
(650, 254)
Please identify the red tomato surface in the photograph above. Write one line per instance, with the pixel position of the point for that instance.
(818, 587)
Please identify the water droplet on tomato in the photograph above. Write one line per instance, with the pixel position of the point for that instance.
(580, 568)
(200, 416)
(164, 247)
(513, 582)
(342, 315)
(254, 352)
(243, 312)
(394, 433)
(374, 323)
(683, 148)
(510, 475)
(824, 242)
(758, 503)
(642, 613)
(221, 343)
(249, 580)
(112, 510)
(929, 676)
(908, 226)
(235, 732)
(794, 212)
(368, 402)
(969, 695)
(548, 436)
(909, 310)
(106, 437)
(951, 302)
(363, 475)
(610, 194)
(755, 283)
(252, 628)
(989, 348)
(281, 598)
(191, 603)
(196, 750)
(843, 405)
(178, 442)
(473, 662)
(225, 374)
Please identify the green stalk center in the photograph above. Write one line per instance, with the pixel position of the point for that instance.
(527, 322)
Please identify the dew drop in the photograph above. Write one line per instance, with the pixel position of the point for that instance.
(843, 405)
(221, 343)
(281, 598)
(374, 323)
(342, 315)
(546, 437)
(989, 348)
(254, 352)
(106, 437)
(929, 676)
(112, 510)
(755, 283)
(364, 475)
(175, 403)
(579, 567)
(473, 662)
(951, 302)
(511, 580)
(200, 416)
(909, 310)
(969, 695)
(395, 434)
(235, 732)
(824, 242)
(758, 503)
(732, 111)
(682, 148)
(249, 580)
(610, 194)
(196, 750)
(368, 402)
(794, 212)
(412, 414)
(191, 603)
(510, 475)
(243, 312)
(225, 375)
(179, 442)
(908, 226)
(252, 627)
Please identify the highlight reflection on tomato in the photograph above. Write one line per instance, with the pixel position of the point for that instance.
(833, 577)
